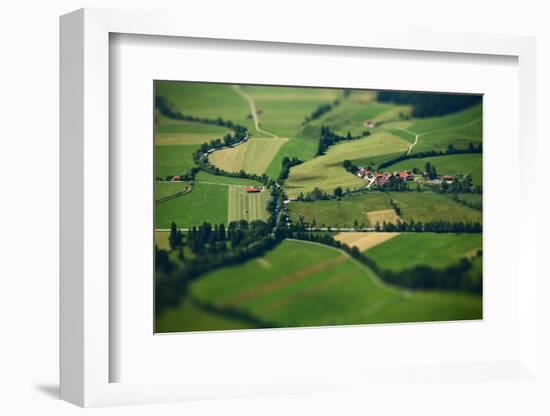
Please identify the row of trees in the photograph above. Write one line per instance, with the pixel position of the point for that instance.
(429, 226)
(429, 104)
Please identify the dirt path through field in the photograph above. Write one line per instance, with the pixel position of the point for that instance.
(298, 275)
(253, 111)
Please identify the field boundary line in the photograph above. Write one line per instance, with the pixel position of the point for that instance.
(253, 111)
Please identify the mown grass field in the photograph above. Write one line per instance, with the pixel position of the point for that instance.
(326, 172)
(205, 177)
(446, 165)
(413, 249)
(364, 240)
(302, 284)
(247, 206)
(253, 156)
(173, 160)
(340, 213)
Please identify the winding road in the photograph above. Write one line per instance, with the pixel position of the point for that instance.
(253, 111)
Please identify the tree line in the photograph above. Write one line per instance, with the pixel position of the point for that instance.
(287, 163)
(430, 104)
(451, 150)
(321, 110)
(429, 226)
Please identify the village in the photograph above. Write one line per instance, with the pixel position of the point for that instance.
(382, 179)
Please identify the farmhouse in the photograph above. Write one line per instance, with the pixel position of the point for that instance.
(362, 173)
(369, 123)
(447, 178)
(406, 176)
(252, 189)
(176, 178)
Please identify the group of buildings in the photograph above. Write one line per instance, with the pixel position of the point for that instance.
(383, 178)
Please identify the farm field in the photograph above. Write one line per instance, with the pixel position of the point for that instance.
(326, 171)
(446, 165)
(375, 206)
(254, 156)
(247, 206)
(340, 213)
(428, 206)
(408, 250)
(173, 132)
(205, 203)
(167, 189)
(205, 177)
(364, 240)
(303, 284)
(173, 160)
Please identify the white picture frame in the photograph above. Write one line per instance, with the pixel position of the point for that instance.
(85, 211)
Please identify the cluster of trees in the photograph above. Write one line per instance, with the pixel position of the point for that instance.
(350, 167)
(471, 204)
(451, 150)
(395, 207)
(430, 104)
(429, 226)
(246, 241)
(287, 163)
(319, 111)
(329, 137)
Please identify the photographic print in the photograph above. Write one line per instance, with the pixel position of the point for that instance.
(281, 207)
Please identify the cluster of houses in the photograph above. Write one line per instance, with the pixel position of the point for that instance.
(382, 178)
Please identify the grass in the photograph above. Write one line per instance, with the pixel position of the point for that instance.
(205, 203)
(166, 189)
(340, 213)
(247, 206)
(447, 165)
(170, 132)
(408, 250)
(173, 160)
(254, 156)
(300, 148)
(428, 206)
(303, 284)
(326, 172)
(205, 177)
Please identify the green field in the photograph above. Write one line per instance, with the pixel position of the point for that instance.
(408, 250)
(172, 132)
(304, 284)
(428, 206)
(171, 160)
(340, 213)
(326, 172)
(215, 199)
(420, 206)
(446, 165)
(167, 189)
(205, 203)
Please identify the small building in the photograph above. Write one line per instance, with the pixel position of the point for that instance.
(405, 176)
(176, 178)
(447, 178)
(369, 124)
(252, 189)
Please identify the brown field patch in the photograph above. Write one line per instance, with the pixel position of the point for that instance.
(387, 215)
(282, 281)
(364, 241)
